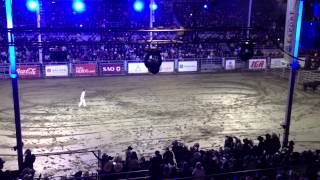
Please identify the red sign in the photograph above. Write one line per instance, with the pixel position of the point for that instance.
(28, 71)
(85, 69)
(257, 64)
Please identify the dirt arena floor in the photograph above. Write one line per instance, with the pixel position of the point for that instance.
(148, 112)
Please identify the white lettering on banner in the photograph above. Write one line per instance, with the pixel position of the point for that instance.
(137, 68)
(290, 27)
(257, 64)
(56, 70)
(82, 70)
(188, 66)
(112, 69)
(28, 71)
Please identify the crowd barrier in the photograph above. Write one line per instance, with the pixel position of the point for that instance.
(277, 66)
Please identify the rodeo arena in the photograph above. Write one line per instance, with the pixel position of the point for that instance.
(160, 89)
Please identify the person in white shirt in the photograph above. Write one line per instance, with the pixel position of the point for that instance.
(82, 100)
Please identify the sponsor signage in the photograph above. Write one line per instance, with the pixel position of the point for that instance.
(137, 68)
(28, 71)
(188, 66)
(278, 63)
(56, 70)
(167, 67)
(257, 64)
(85, 69)
(290, 27)
(111, 68)
(230, 64)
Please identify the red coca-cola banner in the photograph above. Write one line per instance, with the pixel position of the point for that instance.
(85, 69)
(25, 71)
(111, 69)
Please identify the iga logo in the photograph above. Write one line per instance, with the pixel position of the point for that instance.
(257, 64)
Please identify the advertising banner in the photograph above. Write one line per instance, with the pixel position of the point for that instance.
(28, 71)
(230, 64)
(56, 70)
(137, 68)
(257, 64)
(115, 68)
(4, 71)
(85, 69)
(167, 67)
(278, 63)
(290, 28)
(188, 66)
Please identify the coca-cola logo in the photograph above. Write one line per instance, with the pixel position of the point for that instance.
(27, 71)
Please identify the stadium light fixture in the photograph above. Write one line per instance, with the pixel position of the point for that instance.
(79, 6)
(32, 5)
(138, 6)
(153, 6)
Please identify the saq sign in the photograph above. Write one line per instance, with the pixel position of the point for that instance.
(28, 71)
(111, 69)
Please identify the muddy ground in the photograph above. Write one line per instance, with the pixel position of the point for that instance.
(148, 112)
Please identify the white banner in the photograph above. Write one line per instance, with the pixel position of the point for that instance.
(290, 29)
(278, 63)
(137, 68)
(188, 66)
(56, 70)
(167, 67)
(230, 64)
(257, 64)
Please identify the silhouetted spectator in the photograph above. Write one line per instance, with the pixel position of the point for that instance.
(4, 175)
(168, 157)
(261, 145)
(275, 144)
(290, 147)
(268, 144)
(133, 163)
(128, 153)
(198, 172)
(78, 175)
(156, 166)
(29, 159)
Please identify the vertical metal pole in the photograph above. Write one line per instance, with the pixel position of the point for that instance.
(152, 18)
(294, 68)
(14, 80)
(249, 19)
(39, 35)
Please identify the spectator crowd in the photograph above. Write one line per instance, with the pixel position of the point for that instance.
(127, 45)
(260, 159)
